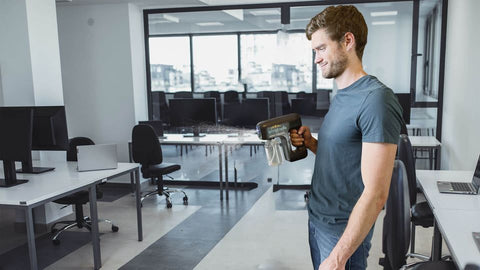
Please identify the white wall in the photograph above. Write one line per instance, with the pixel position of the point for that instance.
(101, 76)
(137, 46)
(461, 110)
(15, 61)
(44, 50)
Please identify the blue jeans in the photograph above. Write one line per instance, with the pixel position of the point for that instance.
(322, 243)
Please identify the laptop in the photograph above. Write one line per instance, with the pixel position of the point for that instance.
(156, 125)
(462, 187)
(96, 157)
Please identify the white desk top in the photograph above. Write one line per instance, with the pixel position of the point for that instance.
(424, 141)
(456, 227)
(47, 185)
(428, 179)
(457, 215)
(179, 139)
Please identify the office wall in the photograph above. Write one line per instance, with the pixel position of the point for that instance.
(138, 62)
(15, 61)
(461, 129)
(101, 77)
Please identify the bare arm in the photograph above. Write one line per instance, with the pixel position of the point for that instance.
(377, 167)
(304, 136)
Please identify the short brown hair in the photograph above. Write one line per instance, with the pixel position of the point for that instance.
(338, 20)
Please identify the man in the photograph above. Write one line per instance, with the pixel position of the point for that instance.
(356, 144)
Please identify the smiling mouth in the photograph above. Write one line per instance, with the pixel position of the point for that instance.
(322, 66)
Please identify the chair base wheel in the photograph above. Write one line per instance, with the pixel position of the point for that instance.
(169, 205)
(115, 228)
(185, 200)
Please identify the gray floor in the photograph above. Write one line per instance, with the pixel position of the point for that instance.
(256, 229)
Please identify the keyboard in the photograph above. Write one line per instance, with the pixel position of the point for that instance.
(458, 186)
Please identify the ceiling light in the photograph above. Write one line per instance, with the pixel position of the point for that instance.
(384, 13)
(299, 20)
(264, 12)
(209, 23)
(383, 22)
(272, 20)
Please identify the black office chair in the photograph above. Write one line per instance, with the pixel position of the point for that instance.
(160, 106)
(396, 227)
(147, 151)
(271, 101)
(78, 199)
(421, 213)
(218, 100)
(183, 94)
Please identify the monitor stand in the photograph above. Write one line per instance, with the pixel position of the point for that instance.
(10, 175)
(27, 167)
(196, 133)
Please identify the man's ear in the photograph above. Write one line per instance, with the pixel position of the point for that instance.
(349, 41)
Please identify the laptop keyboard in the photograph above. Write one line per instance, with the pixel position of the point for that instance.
(461, 186)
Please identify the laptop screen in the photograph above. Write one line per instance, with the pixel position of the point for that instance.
(476, 175)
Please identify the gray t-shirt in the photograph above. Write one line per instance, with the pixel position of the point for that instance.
(366, 111)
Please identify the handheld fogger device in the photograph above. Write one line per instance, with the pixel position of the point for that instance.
(277, 133)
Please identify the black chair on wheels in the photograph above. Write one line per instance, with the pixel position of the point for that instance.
(147, 151)
(78, 199)
(421, 213)
(396, 227)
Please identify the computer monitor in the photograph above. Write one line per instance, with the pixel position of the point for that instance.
(254, 110)
(15, 141)
(49, 133)
(194, 112)
(404, 100)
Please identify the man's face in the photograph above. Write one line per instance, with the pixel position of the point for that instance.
(330, 55)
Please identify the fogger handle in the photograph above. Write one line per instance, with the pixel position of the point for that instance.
(293, 155)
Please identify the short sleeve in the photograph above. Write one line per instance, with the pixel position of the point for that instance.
(380, 117)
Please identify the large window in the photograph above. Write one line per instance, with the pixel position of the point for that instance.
(169, 64)
(215, 63)
(263, 47)
(280, 62)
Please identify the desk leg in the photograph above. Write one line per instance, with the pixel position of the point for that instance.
(138, 203)
(226, 171)
(32, 252)
(97, 260)
(438, 158)
(437, 243)
(220, 160)
(130, 158)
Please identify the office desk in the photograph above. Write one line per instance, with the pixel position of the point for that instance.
(64, 180)
(431, 144)
(248, 139)
(456, 216)
(208, 139)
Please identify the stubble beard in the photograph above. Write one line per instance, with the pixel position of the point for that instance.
(337, 66)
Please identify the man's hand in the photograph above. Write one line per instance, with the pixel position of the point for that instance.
(303, 136)
(330, 264)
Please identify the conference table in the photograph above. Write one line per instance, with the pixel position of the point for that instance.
(218, 140)
(63, 181)
(457, 216)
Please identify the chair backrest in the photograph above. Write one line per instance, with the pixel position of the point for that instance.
(146, 148)
(396, 223)
(72, 146)
(323, 99)
(183, 94)
(405, 154)
(231, 96)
